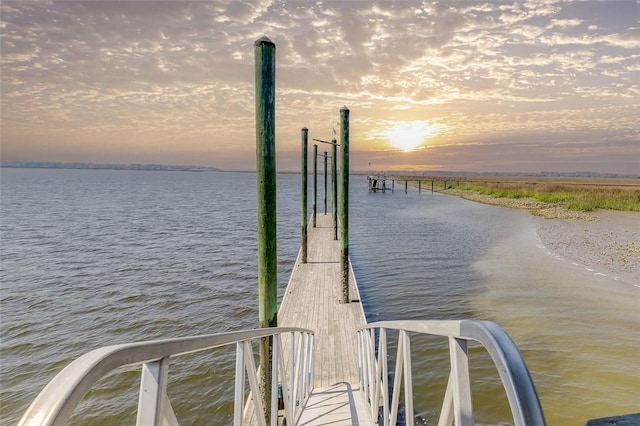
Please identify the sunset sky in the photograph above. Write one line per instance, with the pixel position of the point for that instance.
(520, 86)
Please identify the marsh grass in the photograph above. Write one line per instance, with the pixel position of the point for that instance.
(580, 197)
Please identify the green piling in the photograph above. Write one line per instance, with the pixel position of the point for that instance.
(334, 186)
(315, 183)
(265, 73)
(344, 202)
(303, 202)
(325, 182)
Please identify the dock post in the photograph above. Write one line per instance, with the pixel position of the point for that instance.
(265, 83)
(405, 186)
(393, 185)
(303, 202)
(325, 182)
(315, 183)
(432, 186)
(419, 187)
(344, 202)
(334, 186)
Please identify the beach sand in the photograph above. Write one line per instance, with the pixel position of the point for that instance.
(604, 241)
(608, 243)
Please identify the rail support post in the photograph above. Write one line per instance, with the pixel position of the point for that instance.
(303, 202)
(265, 83)
(344, 202)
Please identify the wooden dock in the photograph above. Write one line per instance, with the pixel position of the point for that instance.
(312, 300)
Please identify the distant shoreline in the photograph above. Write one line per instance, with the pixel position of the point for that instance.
(568, 198)
(99, 166)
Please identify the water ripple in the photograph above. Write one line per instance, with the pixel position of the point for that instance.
(94, 258)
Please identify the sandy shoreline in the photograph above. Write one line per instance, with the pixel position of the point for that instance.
(606, 241)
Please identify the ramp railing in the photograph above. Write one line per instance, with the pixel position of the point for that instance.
(57, 401)
(374, 374)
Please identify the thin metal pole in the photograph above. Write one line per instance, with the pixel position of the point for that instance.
(344, 202)
(315, 182)
(325, 182)
(265, 81)
(334, 186)
(303, 202)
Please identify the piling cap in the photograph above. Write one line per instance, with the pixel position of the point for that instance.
(305, 129)
(344, 108)
(264, 41)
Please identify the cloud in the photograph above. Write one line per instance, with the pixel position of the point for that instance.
(177, 76)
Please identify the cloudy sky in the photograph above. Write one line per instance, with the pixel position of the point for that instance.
(466, 86)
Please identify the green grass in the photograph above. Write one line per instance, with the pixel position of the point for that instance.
(572, 197)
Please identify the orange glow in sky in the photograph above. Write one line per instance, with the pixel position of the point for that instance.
(409, 135)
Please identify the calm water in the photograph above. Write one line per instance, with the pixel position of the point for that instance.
(92, 258)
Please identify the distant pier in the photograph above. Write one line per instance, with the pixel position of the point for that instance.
(384, 183)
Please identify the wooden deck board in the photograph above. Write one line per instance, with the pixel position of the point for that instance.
(312, 300)
(336, 405)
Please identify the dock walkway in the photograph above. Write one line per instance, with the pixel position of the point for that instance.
(312, 300)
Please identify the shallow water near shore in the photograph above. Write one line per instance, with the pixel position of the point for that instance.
(576, 328)
(91, 258)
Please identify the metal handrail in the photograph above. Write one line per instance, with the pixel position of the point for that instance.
(56, 402)
(517, 382)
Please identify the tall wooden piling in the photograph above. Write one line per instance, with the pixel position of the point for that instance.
(334, 186)
(303, 198)
(315, 183)
(265, 84)
(344, 202)
(325, 182)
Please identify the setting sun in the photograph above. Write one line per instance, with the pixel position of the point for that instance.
(408, 135)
